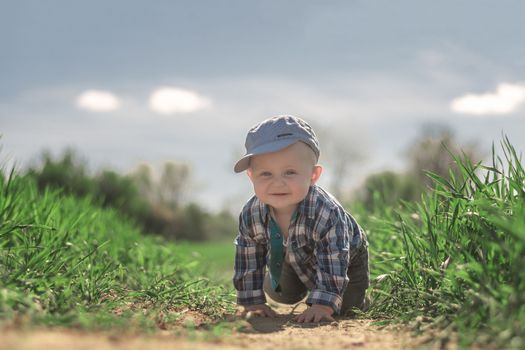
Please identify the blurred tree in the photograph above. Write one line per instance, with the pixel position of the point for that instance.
(387, 188)
(342, 150)
(173, 183)
(169, 190)
(68, 173)
(431, 151)
(154, 204)
(342, 159)
(120, 192)
(168, 215)
(190, 223)
(221, 225)
(143, 178)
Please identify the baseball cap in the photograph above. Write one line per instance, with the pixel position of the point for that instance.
(274, 134)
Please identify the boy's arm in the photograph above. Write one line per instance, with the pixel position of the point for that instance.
(250, 262)
(332, 252)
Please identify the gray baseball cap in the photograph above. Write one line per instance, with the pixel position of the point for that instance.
(274, 134)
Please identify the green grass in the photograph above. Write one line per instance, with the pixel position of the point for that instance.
(452, 262)
(455, 260)
(215, 259)
(64, 261)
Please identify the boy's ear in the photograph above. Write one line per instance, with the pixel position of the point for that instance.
(249, 173)
(316, 174)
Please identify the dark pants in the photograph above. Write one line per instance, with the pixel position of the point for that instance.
(293, 290)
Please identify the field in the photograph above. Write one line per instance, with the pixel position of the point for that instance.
(450, 265)
(67, 262)
(215, 258)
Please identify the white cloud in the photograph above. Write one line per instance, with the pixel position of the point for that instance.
(98, 101)
(506, 99)
(171, 100)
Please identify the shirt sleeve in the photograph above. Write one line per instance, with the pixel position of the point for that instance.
(250, 262)
(332, 253)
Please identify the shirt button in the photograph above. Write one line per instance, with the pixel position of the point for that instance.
(278, 264)
(278, 236)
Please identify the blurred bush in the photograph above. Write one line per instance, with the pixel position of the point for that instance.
(157, 205)
(68, 173)
(432, 151)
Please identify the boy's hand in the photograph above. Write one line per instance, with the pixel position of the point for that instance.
(262, 310)
(315, 313)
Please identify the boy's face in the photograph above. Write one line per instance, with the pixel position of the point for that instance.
(281, 179)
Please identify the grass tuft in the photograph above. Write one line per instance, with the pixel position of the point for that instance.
(457, 259)
(64, 261)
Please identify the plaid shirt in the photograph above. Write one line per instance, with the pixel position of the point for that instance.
(321, 243)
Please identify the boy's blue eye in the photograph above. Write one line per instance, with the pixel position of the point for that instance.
(265, 174)
(290, 172)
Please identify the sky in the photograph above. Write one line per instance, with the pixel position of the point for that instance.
(130, 82)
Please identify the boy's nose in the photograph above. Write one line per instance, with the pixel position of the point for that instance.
(279, 181)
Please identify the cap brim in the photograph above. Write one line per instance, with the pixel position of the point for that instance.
(244, 162)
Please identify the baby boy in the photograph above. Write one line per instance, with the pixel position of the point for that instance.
(295, 229)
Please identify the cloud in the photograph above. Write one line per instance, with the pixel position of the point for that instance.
(171, 100)
(506, 99)
(98, 101)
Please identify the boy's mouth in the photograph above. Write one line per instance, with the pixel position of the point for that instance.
(279, 194)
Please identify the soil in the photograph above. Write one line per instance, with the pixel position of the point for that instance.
(256, 333)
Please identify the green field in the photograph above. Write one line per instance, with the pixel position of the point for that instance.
(215, 259)
(65, 261)
(453, 261)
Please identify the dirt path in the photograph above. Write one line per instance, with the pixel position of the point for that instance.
(259, 334)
